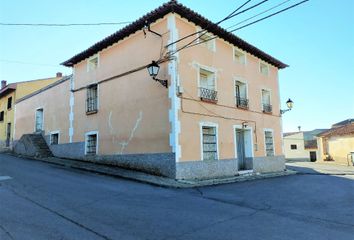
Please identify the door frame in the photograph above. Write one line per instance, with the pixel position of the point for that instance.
(249, 150)
(35, 119)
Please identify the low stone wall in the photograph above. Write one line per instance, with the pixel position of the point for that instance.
(25, 147)
(162, 164)
(269, 164)
(206, 169)
(69, 150)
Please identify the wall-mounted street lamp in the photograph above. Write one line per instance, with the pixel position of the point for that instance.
(289, 104)
(153, 69)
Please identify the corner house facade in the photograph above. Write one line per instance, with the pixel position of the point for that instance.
(218, 116)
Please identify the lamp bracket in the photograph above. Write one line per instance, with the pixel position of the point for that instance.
(162, 82)
(284, 111)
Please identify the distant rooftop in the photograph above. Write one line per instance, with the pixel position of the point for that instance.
(346, 129)
(342, 123)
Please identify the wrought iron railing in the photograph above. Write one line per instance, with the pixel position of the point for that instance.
(242, 102)
(208, 94)
(267, 108)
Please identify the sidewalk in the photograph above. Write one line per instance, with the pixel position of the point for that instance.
(321, 168)
(152, 179)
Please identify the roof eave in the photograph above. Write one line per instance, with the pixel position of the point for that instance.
(190, 15)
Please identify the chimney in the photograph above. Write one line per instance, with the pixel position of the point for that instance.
(59, 75)
(3, 84)
(299, 127)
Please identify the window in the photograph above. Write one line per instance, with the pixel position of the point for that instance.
(39, 120)
(241, 95)
(92, 99)
(266, 105)
(9, 103)
(263, 68)
(209, 141)
(293, 146)
(207, 39)
(92, 63)
(54, 138)
(91, 144)
(207, 88)
(1, 116)
(239, 56)
(269, 144)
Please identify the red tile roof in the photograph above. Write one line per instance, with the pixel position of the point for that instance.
(339, 131)
(173, 7)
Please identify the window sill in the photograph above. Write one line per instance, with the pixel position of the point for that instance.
(242, 108)
(209, 100)
(91, 112)
(270, 113)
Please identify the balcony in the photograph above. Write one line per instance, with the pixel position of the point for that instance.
(208, 95)
(242, 102)
(267, 108)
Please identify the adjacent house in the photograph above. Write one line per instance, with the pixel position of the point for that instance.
(337, 143)
(301, 146)
(217, 115)
(9, 93)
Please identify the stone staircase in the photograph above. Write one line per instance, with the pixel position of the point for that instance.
(32, 145)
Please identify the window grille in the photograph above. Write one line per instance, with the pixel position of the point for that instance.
(269, 143)
(92, 99)
(209, 143)
(91, 144)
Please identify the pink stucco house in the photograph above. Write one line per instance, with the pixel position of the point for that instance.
(218, 116)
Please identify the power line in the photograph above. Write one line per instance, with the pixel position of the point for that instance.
(269, 9)
(233, 14)
(226, 18)
(28, 63)
(271, 15)
(62, 24)
(246, 25)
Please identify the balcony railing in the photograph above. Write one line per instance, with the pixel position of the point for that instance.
(208, 95)
(242, 102)
(267, 108)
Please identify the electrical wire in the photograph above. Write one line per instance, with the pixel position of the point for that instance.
(269, 9)
(233, 14)
(226, 18)
(246, 25)
(28, 63)
(62, 24)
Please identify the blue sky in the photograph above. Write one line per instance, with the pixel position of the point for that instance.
(316, 39)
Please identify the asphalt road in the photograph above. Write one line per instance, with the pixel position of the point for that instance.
(43, 201)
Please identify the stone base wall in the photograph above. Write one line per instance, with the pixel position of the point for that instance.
(206, 169)
(25, 147)
(162, 164)
(69, 150)
(269, 164)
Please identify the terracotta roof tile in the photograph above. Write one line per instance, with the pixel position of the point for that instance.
(339, 131)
